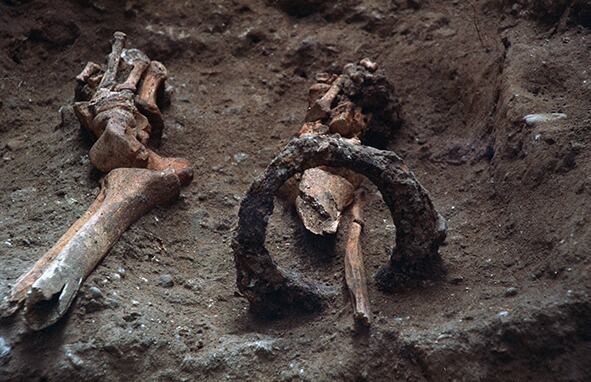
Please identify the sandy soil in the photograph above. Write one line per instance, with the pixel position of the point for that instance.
(514, 304)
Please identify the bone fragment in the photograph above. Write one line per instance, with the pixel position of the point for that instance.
(321, 107)
(146, 99)
(322, 198)
(347, 120)
(325, 193)
(137, 180)
(139, 62)
(354, 269)
(48, 289)
(124, 117)
(108, 80)
(369, 64)
(89, 70)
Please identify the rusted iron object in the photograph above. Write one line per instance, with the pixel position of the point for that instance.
(271, 289)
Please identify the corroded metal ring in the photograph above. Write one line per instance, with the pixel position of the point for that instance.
(420, 229)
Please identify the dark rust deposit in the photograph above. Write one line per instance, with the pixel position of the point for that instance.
(420, 228)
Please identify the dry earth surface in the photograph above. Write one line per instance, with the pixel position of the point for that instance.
(514, 304)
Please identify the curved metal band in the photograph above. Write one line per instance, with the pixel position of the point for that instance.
(420, 229)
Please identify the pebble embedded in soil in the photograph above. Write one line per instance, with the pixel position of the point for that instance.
(502, 314)
(121, 271)
(533, 119)
(74, 359)
(166, 281)
(509, 292)
(15, 144)
(455, 280)
(240, 157)
(95, 292)
(4, 348)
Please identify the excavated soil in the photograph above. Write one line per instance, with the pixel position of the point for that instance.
(514, 304)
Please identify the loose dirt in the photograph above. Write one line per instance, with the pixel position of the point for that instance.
(514, 304)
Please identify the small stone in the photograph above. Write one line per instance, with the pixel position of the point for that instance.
(534, 119)
(263, 348)
(445, 32)
(233, 110)
(510, 292)
(224, 225)
(95, 292)
(455, 280)
(121, 271)
(4, 348)
(502, 314)
(112, 303)
(240, 157)
(166, 281)
(74, 359)
(14, 144)
(84, 159)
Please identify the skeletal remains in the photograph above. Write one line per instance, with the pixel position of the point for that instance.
(344, 105)
(123, 117)
(120, 106)
(343, 110)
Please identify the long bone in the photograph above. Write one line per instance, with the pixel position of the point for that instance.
(122, 132)
(48, 288)
(354, 269)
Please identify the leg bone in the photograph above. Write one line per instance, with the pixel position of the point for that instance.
(354, 269)
(48, 289)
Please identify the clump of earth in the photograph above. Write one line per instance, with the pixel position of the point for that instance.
(494, 103)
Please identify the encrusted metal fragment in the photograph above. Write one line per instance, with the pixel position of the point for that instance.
(272, 289)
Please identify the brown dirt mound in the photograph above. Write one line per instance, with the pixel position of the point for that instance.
(515, 302)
